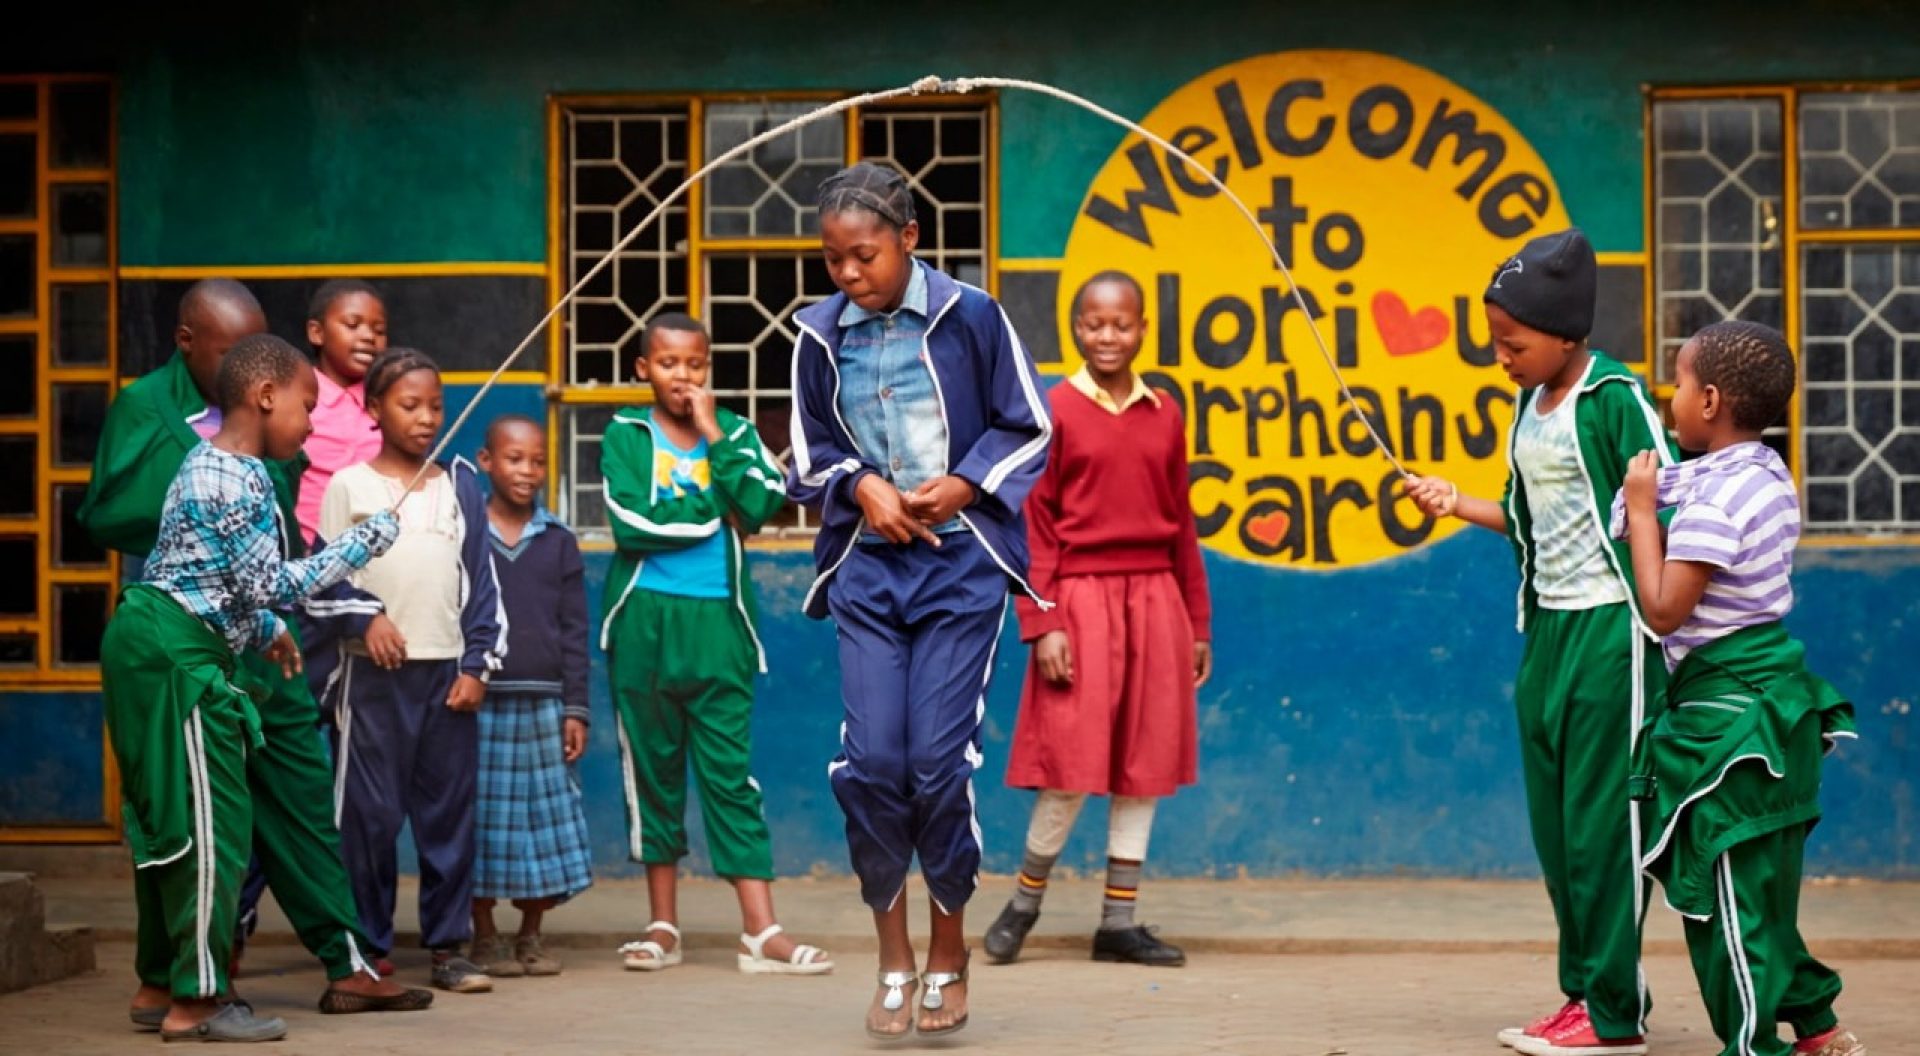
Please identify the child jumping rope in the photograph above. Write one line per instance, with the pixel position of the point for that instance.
(1586, 670)
(404, 701)
(533, 727)
(1109, 704)
(1728, 770)
(918, 429)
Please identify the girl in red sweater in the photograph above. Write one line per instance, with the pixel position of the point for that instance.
(1108, 707)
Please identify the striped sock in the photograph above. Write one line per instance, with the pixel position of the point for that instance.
(1123, 888)
(1032, 884)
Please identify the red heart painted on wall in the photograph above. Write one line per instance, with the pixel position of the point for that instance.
(1407, 332)
(1269, 528)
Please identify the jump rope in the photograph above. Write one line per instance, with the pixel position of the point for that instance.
(924, 86)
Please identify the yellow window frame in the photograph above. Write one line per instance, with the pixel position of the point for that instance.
(47, 674)
(1793, 240)
(560, 395)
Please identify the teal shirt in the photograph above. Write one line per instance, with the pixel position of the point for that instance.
(700, 570)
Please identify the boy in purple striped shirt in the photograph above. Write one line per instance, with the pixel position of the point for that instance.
(1728, 771)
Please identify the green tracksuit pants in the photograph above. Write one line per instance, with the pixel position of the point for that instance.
(180, 733)
(682, 672)
(1754, 970)
(1585, 677)
(294, 835)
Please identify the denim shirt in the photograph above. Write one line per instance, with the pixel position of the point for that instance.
(887, 394)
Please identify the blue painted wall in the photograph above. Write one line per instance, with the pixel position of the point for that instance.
(50, 753)
(1360, 721)
(1361, 725)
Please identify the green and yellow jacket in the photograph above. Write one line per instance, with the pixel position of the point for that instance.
(749, 487)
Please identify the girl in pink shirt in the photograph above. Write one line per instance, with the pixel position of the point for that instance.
(347, 326)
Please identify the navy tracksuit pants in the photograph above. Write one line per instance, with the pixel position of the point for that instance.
(404, 756)
(917, 628)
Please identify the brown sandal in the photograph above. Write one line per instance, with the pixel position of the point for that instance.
(342, 1003)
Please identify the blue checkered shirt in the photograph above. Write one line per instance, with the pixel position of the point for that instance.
(222, 549)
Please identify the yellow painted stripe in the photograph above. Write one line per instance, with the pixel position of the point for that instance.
(1622, 258)
(423, 269)
(1859, 234)
(1831, 542)
(1031, 263)
(477, 377)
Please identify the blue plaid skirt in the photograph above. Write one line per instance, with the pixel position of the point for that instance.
(530, 826)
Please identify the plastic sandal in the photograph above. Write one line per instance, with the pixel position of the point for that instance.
(648, 955)
(934, 1000)
(232, 1024)
(147, 1018)
(900, 987)
(805, 960)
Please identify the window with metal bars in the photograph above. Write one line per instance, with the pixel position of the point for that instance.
(57, 352)
(1800, 209)
(739, 252)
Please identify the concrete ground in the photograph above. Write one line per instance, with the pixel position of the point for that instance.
(1382, 968)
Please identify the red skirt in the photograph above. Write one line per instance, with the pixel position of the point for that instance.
(1126, 726)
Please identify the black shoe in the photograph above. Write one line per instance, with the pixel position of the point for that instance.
(1008, 933)
(1135, 945)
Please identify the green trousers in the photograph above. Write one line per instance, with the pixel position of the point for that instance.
(682, 672)
(294, 834)
(1585, 677)
(1754, 970)
(180, 733)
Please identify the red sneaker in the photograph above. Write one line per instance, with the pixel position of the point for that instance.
(383, 967)
(1835, 1042)
(1510, 1036)
(1575, 1036)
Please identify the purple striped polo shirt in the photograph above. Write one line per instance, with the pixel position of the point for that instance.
(1737, 511)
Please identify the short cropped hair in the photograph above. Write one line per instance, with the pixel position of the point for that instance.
(253, 359)
(1752, 366)
(332, 290)
(507, 421)
(679, 322)
(1111, 276)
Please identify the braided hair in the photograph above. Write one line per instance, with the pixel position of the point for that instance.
(869, 187)
(394, 364)
(1751, 365)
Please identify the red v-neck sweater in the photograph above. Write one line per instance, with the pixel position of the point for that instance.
(1113, 499)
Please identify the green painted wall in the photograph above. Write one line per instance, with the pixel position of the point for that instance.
(404, 131)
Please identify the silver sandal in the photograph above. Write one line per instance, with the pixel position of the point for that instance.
(933, 1000)
(899, 985)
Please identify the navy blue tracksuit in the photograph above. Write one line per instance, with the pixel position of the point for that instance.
(918, 624)
(401, 755)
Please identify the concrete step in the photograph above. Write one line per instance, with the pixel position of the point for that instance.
(31, 953)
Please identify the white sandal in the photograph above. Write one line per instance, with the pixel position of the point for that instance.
(648, 955)
(805, 960)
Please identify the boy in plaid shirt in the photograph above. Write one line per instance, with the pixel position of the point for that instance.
(179, 725)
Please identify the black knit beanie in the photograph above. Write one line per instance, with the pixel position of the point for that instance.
(1550, 284)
